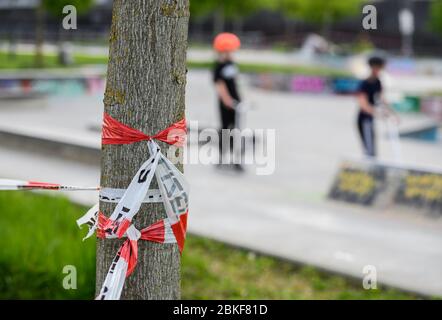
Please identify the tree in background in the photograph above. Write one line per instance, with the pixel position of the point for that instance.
(39, 34)
(231, 9)
(436, 16)
(55, 8)
(320, 12)
(289, 9)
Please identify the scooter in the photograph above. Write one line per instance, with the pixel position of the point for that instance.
(239, 140)
(238, 147)
(240, 115)
(394, 137)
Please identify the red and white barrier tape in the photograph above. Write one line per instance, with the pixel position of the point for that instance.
(7, 184)
(130, 203)
(126, 258)
(122, 266)
(106, 194)
(173, 192)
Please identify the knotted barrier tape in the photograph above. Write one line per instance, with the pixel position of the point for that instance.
(172, 192)
(126, 258)
(115, 132)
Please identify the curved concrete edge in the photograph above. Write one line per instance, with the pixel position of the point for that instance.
(73, 151)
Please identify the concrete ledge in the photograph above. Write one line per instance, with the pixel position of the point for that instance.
(85, 153)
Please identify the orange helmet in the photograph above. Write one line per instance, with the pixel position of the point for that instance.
(226, 42)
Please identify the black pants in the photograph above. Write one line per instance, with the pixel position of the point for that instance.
(366, 132)
(227, 122)
(227, 117)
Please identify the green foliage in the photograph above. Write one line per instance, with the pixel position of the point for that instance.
(40, 236)
(320, 11)
(275, 68)
(23, 61)
(212, 270)
(235, 8)
(55, 8)
(202, 8)
(289, 8)
(230, 8)
(436, 16)
(26, 60)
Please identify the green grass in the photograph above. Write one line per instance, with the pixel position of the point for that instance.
(212, 270)
(39, 237)
(274, 68)
(25, 61)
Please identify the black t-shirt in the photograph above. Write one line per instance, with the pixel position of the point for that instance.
(372, 88)
(227, 72)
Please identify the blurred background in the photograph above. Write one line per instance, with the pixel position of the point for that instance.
(306, 231)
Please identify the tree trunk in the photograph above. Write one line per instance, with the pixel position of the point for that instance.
(238, 25)
(219, 20)
(39, 35)
(290, 32)
(145, 89)
(326, 25)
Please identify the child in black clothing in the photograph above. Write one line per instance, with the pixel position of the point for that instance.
(224, 76)
(372, 104)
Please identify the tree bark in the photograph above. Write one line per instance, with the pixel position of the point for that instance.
(238, 25)
(39, 34)
(145, 90)
(219, 21)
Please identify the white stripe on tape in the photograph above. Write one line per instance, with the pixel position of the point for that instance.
(114, 195)
(114, 281)
(90, 219)
(169, 237)
(135, 193)
(173, 187)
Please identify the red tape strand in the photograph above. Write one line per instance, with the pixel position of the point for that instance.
(156, 232)
(114, 132)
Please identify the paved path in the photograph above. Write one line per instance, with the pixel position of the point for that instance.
(284, 214)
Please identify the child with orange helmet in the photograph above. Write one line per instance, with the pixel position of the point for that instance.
(224, 76)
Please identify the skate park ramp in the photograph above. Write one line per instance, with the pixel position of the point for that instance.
(389, 186)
